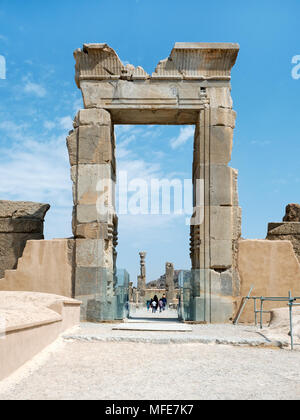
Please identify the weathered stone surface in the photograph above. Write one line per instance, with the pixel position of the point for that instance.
(24, 209)
(94, 231)
(188, 60)
(88, 213)
(93, 253)
(221, 254)
(93, 145)
(45, 266)
(292, 213)
(20, 225)
(92, 182)
(271, 267)
(284, 228)
(219, 97)
(287, 230)
(236, 222)
(92, 116)
(235, 193)
(92, 280)
(220, 223)
(226, 283)
(19, 222)
(221, 144)
(223, 117)
(221, 193)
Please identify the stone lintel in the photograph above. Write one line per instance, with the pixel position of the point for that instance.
(189, 60)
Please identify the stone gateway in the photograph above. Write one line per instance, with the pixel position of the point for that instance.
(191, 86)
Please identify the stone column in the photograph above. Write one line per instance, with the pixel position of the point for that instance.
(170, 289)
(91, 148)
(141, 286)
(215, 225)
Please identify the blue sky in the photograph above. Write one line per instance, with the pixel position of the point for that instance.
(39, 99)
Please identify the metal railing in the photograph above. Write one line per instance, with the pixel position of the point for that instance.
(291, 303)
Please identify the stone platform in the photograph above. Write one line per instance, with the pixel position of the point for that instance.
(226, 334)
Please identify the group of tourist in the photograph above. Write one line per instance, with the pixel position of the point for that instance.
(156, 304)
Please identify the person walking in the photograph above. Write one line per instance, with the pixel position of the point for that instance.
(161, 305)
(164, 299)
(154, 306)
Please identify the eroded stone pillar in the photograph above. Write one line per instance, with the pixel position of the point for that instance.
(141, 280)
(215, 226)
(91, 148)
(170, 289)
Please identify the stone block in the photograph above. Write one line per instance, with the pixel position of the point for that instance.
(93, 116)
(101, 309)
(284, 228)
(220, 182)
(90, 145)
(221, 254)
(226, 283)
(221, 223)
(219, 97)
(93, 182)
(221, 185)
(88, 213)
(94, 253)
(23, 209)
(222, 309)
(9, 225)
(93, 281)
(94, 231)
(223, 117)
(221, 144)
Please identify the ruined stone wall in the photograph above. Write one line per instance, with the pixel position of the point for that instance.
(19, 222)
(272, 268)
(288, 229)
(45, 266)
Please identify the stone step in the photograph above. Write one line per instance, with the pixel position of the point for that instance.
(153, 326)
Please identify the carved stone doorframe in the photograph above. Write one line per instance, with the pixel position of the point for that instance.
(191, 86)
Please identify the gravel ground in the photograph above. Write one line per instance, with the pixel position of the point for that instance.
(100, 370)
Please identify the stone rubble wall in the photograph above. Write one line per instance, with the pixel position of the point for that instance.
(289, 229)
(19, 222)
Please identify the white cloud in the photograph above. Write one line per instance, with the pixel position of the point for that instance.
(39, 171)
(66, 123)
(13, 131)
(185, 134)
(49, 125)
(36, 89)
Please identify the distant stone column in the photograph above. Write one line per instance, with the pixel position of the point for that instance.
(170, 289)
(20, 221)
(141, 281)
(91, 147)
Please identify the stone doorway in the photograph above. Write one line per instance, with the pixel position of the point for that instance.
(192, 87)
